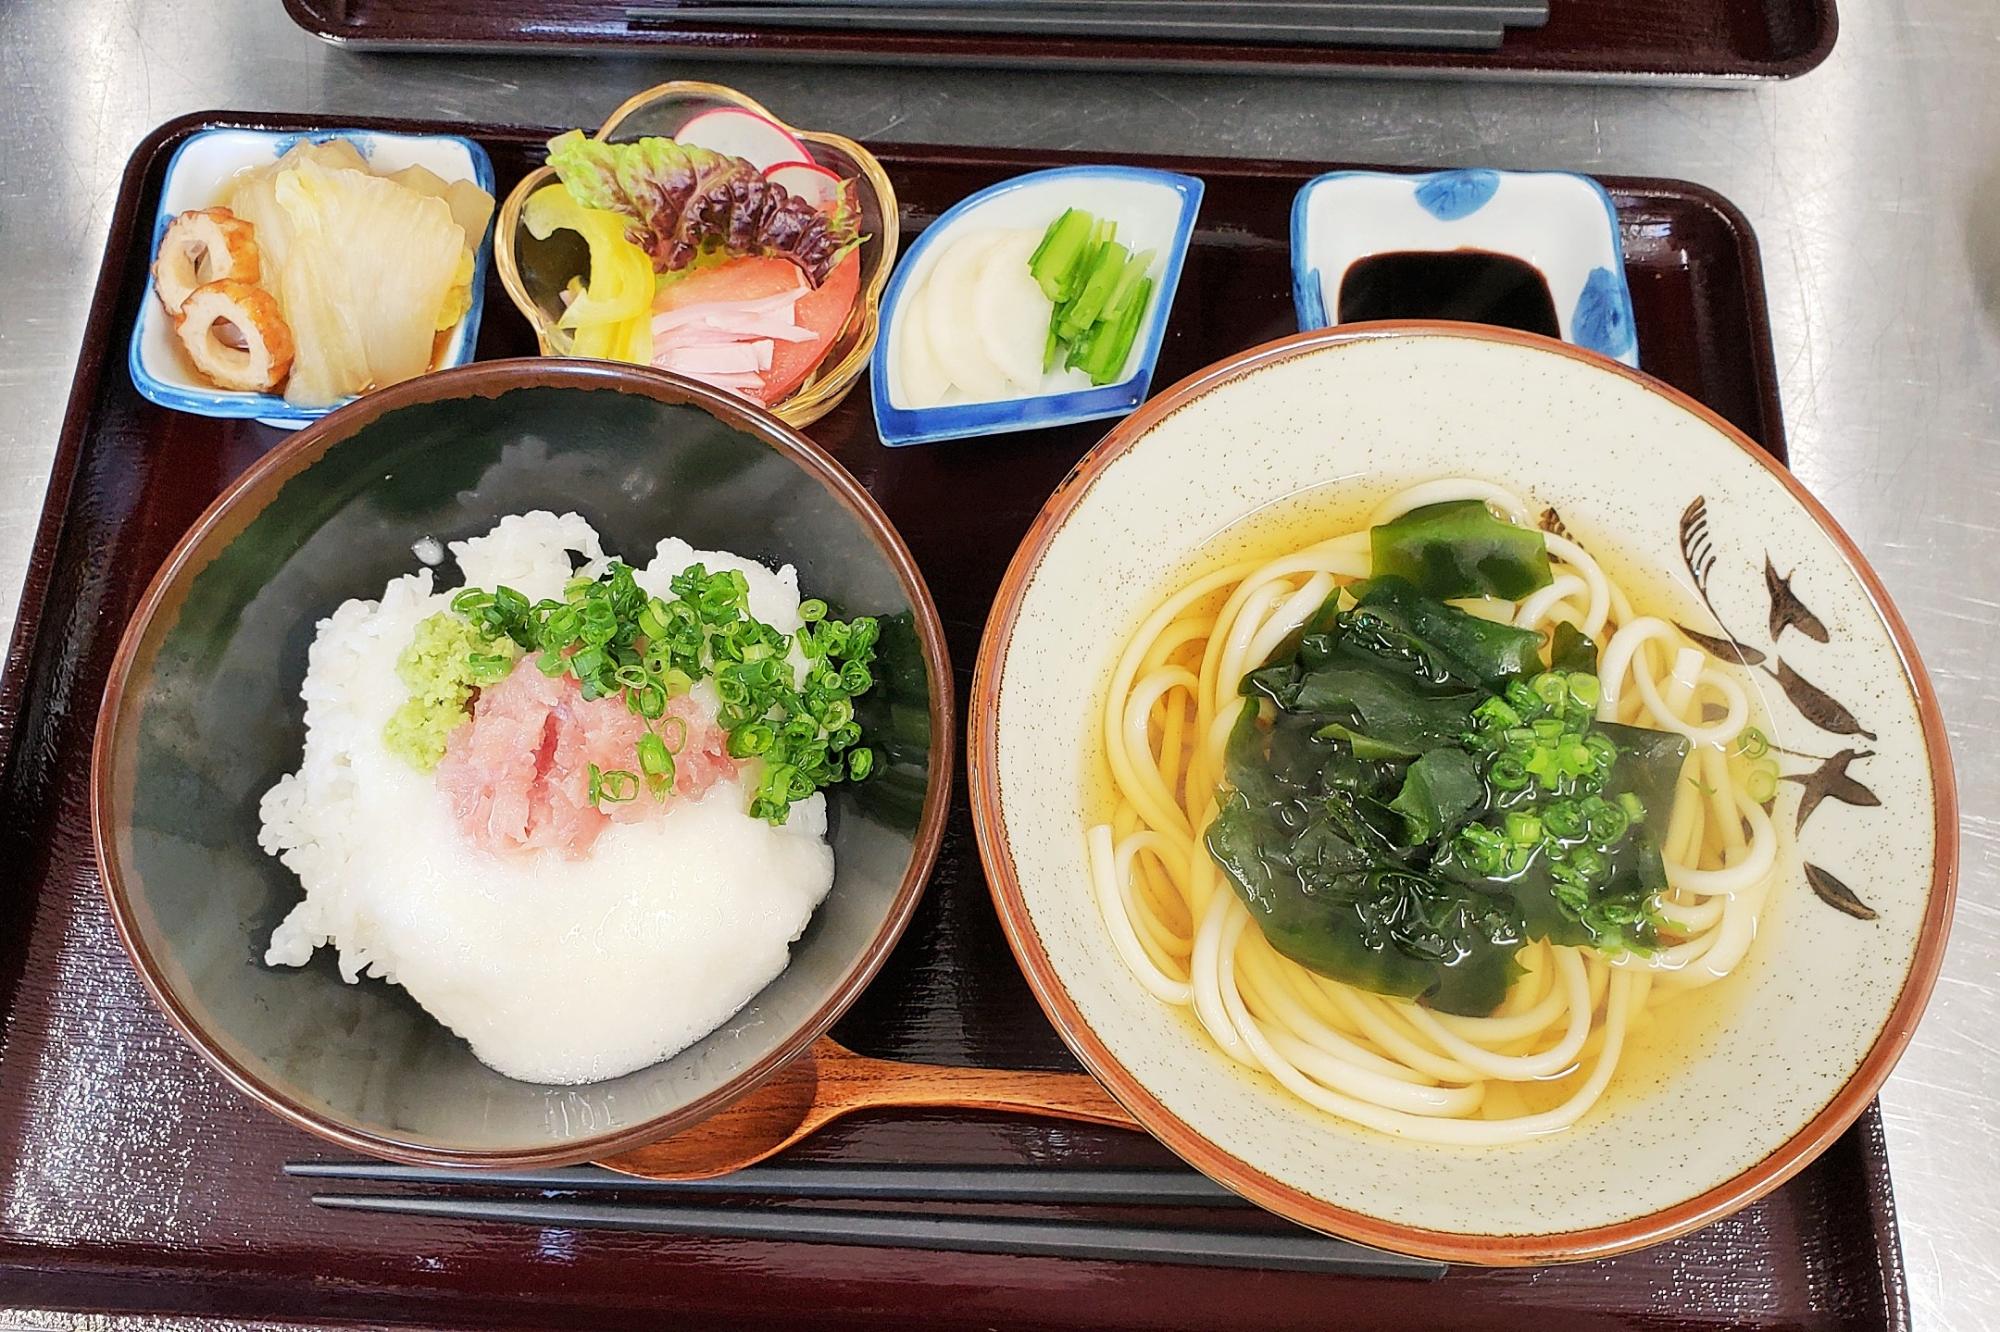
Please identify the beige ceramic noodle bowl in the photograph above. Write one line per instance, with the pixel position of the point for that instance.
(1388, 1063)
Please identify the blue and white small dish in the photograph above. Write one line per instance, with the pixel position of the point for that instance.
(1561, 224)
(1154, 210)
(196, 177)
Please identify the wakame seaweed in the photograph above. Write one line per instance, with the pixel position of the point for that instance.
(1427, 797)
(1461, 549)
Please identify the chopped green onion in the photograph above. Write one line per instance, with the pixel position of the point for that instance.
(487, 668)
(1761, 785)
(562, 626)
(1608, 825)
(1564, 819)
(1584, 690)
(1573, 759)
(614, 787)
(1551, 687)
(657, 764)
(751, 739)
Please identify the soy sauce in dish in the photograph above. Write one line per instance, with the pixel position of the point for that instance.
(1473, 285)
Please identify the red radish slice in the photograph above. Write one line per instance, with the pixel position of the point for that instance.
(815, 184)
(744, 134)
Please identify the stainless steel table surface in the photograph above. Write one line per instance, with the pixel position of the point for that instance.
(1873, 182)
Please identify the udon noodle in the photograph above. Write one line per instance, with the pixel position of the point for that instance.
(1395, 1064)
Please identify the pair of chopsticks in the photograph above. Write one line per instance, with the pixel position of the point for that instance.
(1297, 1250)
(1466, 24)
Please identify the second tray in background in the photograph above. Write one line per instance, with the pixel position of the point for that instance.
(1708, 42)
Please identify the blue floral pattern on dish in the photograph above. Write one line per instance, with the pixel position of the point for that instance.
(1451, 195)
(361, 143)
(1603, 319)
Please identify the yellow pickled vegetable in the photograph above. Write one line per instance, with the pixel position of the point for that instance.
(611, 317)
(629, 340)
(459, 299)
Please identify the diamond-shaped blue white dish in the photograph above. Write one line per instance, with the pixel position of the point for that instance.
(196, 176)
(1561, 224)
(1153, 209)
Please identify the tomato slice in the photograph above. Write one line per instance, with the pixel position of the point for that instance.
(824, 311)
(744, 279)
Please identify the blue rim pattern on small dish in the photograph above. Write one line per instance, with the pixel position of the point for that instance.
(1597, 318)
(271, 408)
(898, 426)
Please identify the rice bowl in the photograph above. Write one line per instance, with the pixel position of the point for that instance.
(203, 715)
(557, 968)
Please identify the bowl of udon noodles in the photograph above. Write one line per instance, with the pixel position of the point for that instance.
(1462, 794)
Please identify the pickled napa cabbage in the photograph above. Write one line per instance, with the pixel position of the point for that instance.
(368, 266)
(367, 291)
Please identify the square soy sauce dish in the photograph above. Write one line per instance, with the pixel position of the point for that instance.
(199, 176)
(1040, 301)
(1533, 250)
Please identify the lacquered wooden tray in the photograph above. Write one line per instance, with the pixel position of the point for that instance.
(133, 1179)
(1692, 41)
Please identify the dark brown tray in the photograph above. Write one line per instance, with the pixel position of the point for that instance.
(135, 1180)
(1691, 41)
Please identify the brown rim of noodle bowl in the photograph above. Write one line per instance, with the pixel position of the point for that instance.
(982, 741)
(234, 509)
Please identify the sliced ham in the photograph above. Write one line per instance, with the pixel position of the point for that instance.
(730, 327)
(518, 773)
(720, 358)
(726, 314)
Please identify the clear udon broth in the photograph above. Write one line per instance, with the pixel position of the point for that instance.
(1661, 1038)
